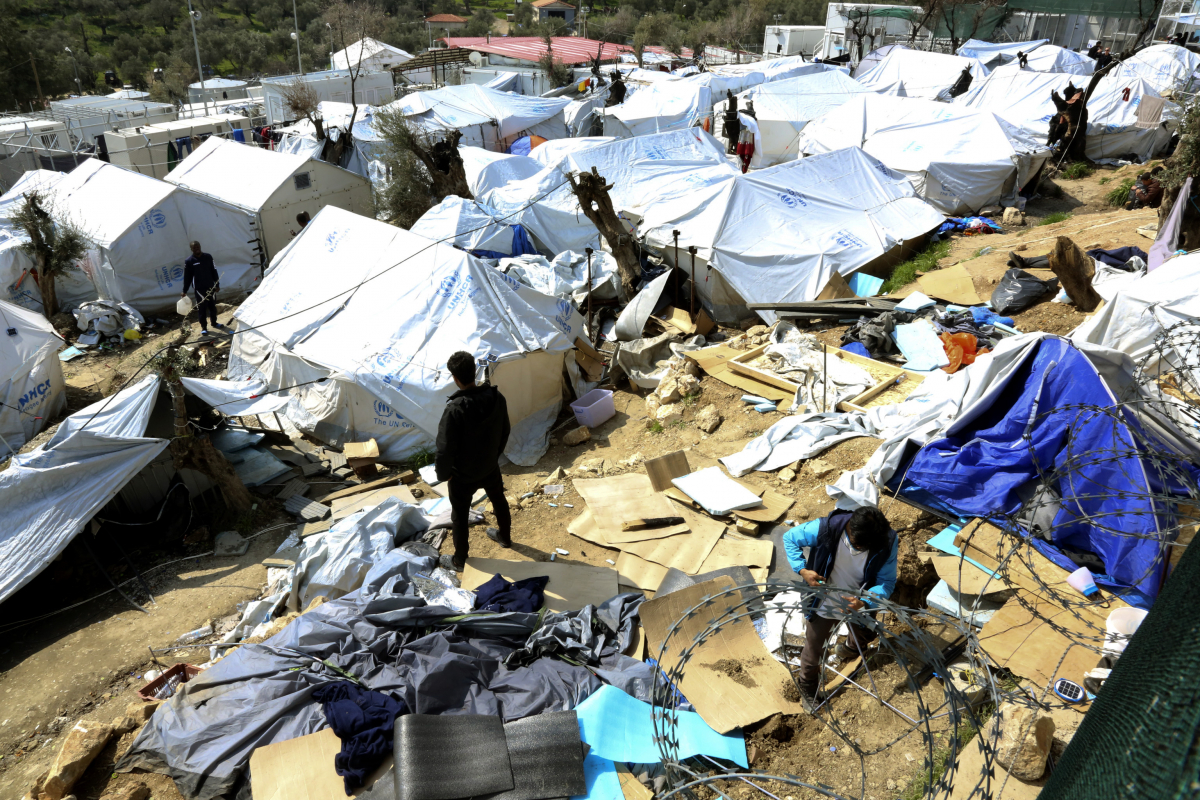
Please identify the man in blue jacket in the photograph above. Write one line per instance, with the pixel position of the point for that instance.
(854, 551)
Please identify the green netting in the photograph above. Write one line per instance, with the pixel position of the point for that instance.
(1141, 738)
(962, 18)
(1095, 8)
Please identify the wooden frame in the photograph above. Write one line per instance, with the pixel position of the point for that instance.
(741, 366)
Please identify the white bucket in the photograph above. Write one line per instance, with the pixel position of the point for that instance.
(184, 306)
(1121, 625)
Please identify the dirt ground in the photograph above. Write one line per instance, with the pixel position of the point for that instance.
(88, 661)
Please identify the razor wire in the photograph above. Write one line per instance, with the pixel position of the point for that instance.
(1142, 483)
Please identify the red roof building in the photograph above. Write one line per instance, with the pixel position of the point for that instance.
(436, 18)
(567, 49)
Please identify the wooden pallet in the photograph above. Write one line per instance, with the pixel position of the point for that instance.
(741, 366)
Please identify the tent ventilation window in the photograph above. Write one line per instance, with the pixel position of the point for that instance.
(303, 181)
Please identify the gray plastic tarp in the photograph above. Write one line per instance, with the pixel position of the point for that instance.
(390, 640)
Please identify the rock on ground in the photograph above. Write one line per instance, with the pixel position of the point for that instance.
(1025, 740)
(708, 418)
(577, 436)
(83, 743)
(669, 413)
(787, 474)
(130, 791)
(230, 543)
(136, 715)
(1013, 217)
(820, 468)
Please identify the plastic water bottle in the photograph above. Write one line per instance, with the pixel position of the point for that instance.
(184, 306)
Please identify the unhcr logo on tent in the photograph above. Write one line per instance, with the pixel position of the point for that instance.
(157, 218)
(388, 418)
(793, 199)
(564, 311)
(34, 396)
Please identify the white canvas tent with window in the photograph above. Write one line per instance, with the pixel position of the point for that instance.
(643, 171)
(958, 159)
(1022, 99)
(140, 228)
(31, 378)
(919, 73)
(359, 318)
(783, 108)
(372, 54)
(273, 187)
(779, 234)
(486, 117)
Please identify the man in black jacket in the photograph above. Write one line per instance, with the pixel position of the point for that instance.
(471, 436)
(200, 271)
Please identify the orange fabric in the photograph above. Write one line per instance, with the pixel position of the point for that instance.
(960, 349)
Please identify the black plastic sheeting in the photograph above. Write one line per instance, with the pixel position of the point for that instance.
(391, 641)
(450, 757)
(546, 755)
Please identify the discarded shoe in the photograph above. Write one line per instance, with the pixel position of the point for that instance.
(494, 535)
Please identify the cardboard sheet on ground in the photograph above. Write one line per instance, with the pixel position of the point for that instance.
(618, 727)
(571, 586)
(944, 541)
(731, 552)
(724, 702)
(684, 551)
(1025, 636)
(631, 787)
(640, 573)
(716, 492)
(623, 498)
(970, 782)
(774, 505)
(715, 361)
(662, 469)
(964, 577)
(952, 284)
(302, 769)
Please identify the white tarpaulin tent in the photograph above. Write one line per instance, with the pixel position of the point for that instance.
(957, 158)
(872, 59)
(1052, 58)
(1022, 99)
(1146, 307)
(92, 455)
(359, 318)
(994, 54)
(464, 224)
(31, 378)
(273, 187)
(783, 108)
(140, 228)
(17, 284)
(548, 154)
(1163, 66)
(779, 234)
(372, 54)
(919, 73)
(487, 170)
(486, 117)
(683, 102)
(643, 171)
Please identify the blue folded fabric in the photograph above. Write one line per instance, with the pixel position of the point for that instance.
(500, 595)
(365, 721)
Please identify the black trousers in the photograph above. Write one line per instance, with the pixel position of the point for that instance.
(460, 494)
(206, 308)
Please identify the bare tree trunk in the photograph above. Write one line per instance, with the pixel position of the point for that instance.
(1075, 270)
(46, 284)
(199, 454)
(592, 193)
(445, 166)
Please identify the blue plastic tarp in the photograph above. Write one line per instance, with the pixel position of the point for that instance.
(1041, 418)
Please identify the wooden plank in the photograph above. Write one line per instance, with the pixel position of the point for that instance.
(715, 362)
(391, 480)
(875, 391)
(313, 528)
(741, 366)
(571, 586)
(355, 503)
(662, 469)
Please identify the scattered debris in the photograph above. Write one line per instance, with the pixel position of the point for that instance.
(232, 543)
(577, 437)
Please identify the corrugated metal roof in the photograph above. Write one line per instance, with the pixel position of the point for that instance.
(567, 49)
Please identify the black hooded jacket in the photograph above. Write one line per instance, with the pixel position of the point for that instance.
(472, 434)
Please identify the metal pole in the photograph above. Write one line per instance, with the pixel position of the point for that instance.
(825, 377)
(199, 66)
(692, 302)
(589, 252)
(296, 23)
(678, 266)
